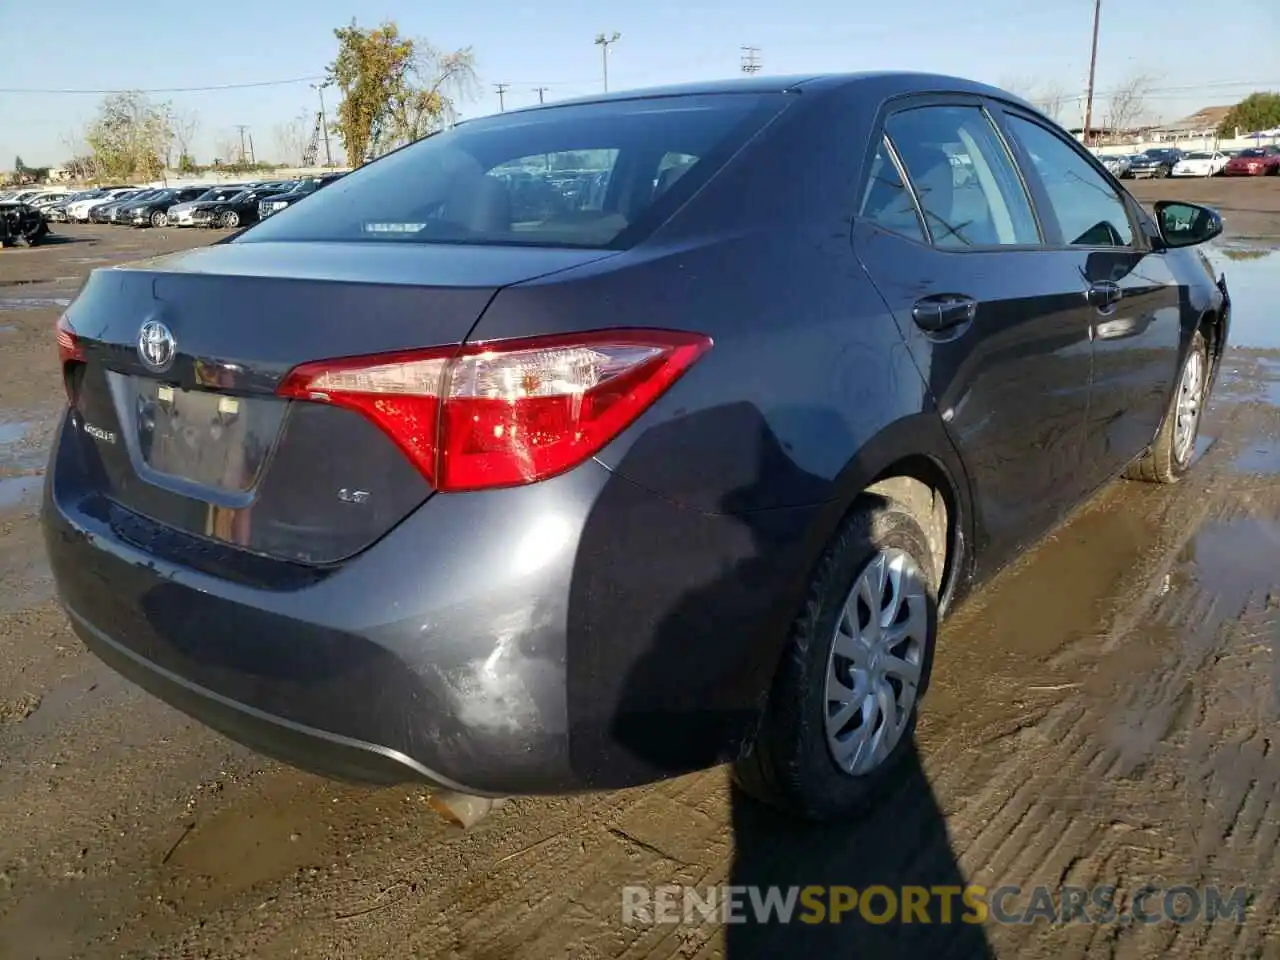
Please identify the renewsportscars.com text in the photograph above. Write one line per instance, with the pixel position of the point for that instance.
(970, 904)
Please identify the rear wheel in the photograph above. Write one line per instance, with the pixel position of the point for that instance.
(837, 731)
(1174, 446)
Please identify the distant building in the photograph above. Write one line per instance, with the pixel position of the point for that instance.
(1202, 123)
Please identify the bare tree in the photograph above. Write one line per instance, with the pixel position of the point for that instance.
(80, 164)
(291, 139)
(1048, 96)
(442, 81)
(1127, 104)
(185, 124)
(1021, 86)
(1052, 99)
(226, 148)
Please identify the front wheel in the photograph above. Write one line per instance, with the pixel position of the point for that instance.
(837, 732)
(1174, 446)
(230, 219)
(159, 219)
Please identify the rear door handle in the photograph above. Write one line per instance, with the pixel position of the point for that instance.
(1104, 293)
(943, 311)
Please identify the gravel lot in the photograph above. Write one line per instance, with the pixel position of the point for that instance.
(1103, 713)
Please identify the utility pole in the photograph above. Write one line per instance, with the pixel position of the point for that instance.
(604, 43)
(502, 101)
(242, 128)
(324, 123)
(751, 59)
(540, 91)
(1093, 63)
(253, 157)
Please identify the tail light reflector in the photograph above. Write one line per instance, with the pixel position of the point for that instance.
(508, 412)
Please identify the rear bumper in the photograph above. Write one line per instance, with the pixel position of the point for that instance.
(572, 634)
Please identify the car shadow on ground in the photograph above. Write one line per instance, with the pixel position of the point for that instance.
(61, 239)
(865, 868)
(865, 864)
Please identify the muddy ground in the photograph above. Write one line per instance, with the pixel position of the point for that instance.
(1103, 713)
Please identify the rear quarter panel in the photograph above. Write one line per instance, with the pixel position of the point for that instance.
(808, 365)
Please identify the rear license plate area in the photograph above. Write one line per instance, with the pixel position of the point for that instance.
(210, 439)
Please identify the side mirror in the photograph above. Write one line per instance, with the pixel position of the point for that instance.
(1186, 224)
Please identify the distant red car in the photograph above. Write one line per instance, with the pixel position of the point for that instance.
(1254, 162)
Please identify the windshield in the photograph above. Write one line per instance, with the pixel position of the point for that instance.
(1197, 156)
(1253, 152)
(583, 175)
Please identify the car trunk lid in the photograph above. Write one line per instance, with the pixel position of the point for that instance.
(178, 363)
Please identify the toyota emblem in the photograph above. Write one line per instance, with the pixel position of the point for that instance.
(156, 346)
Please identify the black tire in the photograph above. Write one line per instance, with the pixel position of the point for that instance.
(230, 220)
(788, 764)
(1163, 462)
(159, 218)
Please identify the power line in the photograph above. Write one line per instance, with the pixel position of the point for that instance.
(750, 59)
(540, 91)
(502, 90)
(221, 86)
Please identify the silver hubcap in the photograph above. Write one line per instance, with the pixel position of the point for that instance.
(873, 668)
(1189, 401)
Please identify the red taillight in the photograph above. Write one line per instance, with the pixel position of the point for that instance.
(68, 346)
(70, 355)
(508, 412)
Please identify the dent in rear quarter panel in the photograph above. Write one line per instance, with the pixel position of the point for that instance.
(681, 601)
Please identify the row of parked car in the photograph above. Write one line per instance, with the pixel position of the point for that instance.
(226, 205)
(1172, 162)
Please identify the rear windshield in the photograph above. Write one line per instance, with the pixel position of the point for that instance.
(586, 175)
(1197, 156)
(1253, 152)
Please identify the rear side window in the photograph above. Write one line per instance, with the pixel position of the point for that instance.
(1089, 211)
(886, 201)
(584, 175)
(967, 185)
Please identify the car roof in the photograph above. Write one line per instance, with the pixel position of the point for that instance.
(879, 83)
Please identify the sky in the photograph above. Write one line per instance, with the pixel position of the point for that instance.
(1200, 54)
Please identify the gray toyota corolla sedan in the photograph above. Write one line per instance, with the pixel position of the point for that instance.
(580, 446)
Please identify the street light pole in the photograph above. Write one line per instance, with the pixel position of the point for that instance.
(324, 123)
(604, 43)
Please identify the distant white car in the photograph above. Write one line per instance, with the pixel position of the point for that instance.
(79, 211)
(45, 199)
(1203, 164)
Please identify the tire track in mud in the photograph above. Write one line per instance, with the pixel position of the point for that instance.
(1193, 719)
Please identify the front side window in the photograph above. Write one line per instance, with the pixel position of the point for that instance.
(967, 185)
(585, 175)
(1089, 211)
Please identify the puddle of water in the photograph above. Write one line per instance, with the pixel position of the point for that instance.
(7, 328)
(33, 303)
(1253, 280)
(17, 491)
(1263, 456)
(1232, 558)
(1257, 378)
(1203, 444)
(11, 433)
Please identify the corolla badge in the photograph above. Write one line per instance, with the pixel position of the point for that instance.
(156, 346)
